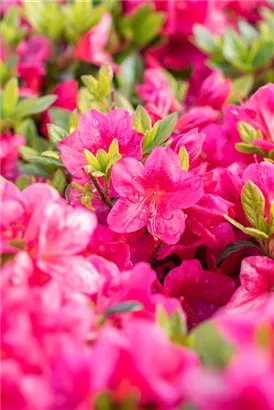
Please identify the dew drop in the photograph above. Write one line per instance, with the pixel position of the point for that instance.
(95, 122)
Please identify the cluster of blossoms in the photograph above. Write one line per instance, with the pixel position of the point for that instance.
(137, 205)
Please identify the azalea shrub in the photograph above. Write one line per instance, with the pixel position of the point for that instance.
(137, 200)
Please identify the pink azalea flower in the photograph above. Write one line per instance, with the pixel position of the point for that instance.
(91, 47)
(153, 195)
(134, 365)
(9, 154)
(192, 141)
(215, 91)
(157, 93)
(203, 291)
(133, 285)
(53, 234)
(97, 130)
(33, 54)
(197, 117)
(257, 285)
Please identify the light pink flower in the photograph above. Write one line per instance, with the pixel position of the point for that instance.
(257, 285)
(153, 195)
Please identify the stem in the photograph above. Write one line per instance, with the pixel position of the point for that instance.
(101, 192)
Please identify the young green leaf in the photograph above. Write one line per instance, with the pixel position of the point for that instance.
(11, 95)
(248, 231)
(204, 39)
(248, 133)
(56, 133)
(165, 128)
(253, 203)
(141, 120)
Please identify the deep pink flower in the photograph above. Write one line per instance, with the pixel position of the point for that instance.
(203, 291)
(257, 285)
(215, 91)
(33, 54)
(133, 364)
(157, 94)
(97, 130)
(192, 141)
(9, 153)
(153, 195)
(91, 47)
(197, 117)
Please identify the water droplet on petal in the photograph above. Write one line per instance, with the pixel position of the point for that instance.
(95, 122)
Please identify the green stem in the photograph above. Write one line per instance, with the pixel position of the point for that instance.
(104, 197)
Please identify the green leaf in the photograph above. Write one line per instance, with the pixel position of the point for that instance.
(46, 161)
(33, 169)
(235, 50)
(248, 231)
(253, 203)
(165, 128)
(56, 133)
(204, 39)
(60, 117)
(248, 133)
(105, 77)
(59, 181)
(11, 95)
(249, 149)
(124, 307)
(30, 106)
(241, 87)
(232, 248)
(263, 56)
(211, 346)
(23, 181)
(145, 24)
(27, 152)
(141, 120)
(247, 31)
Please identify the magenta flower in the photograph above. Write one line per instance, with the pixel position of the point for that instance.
(153, 195)
(257, 285)
(97, 130)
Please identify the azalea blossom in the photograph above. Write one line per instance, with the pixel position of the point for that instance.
(153, 195)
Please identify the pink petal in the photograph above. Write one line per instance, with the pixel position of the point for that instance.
(127, 178)
(244, 301)
(163, 167)
(167, 230)
(65, 230)
(72, 272)
(127, 216)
